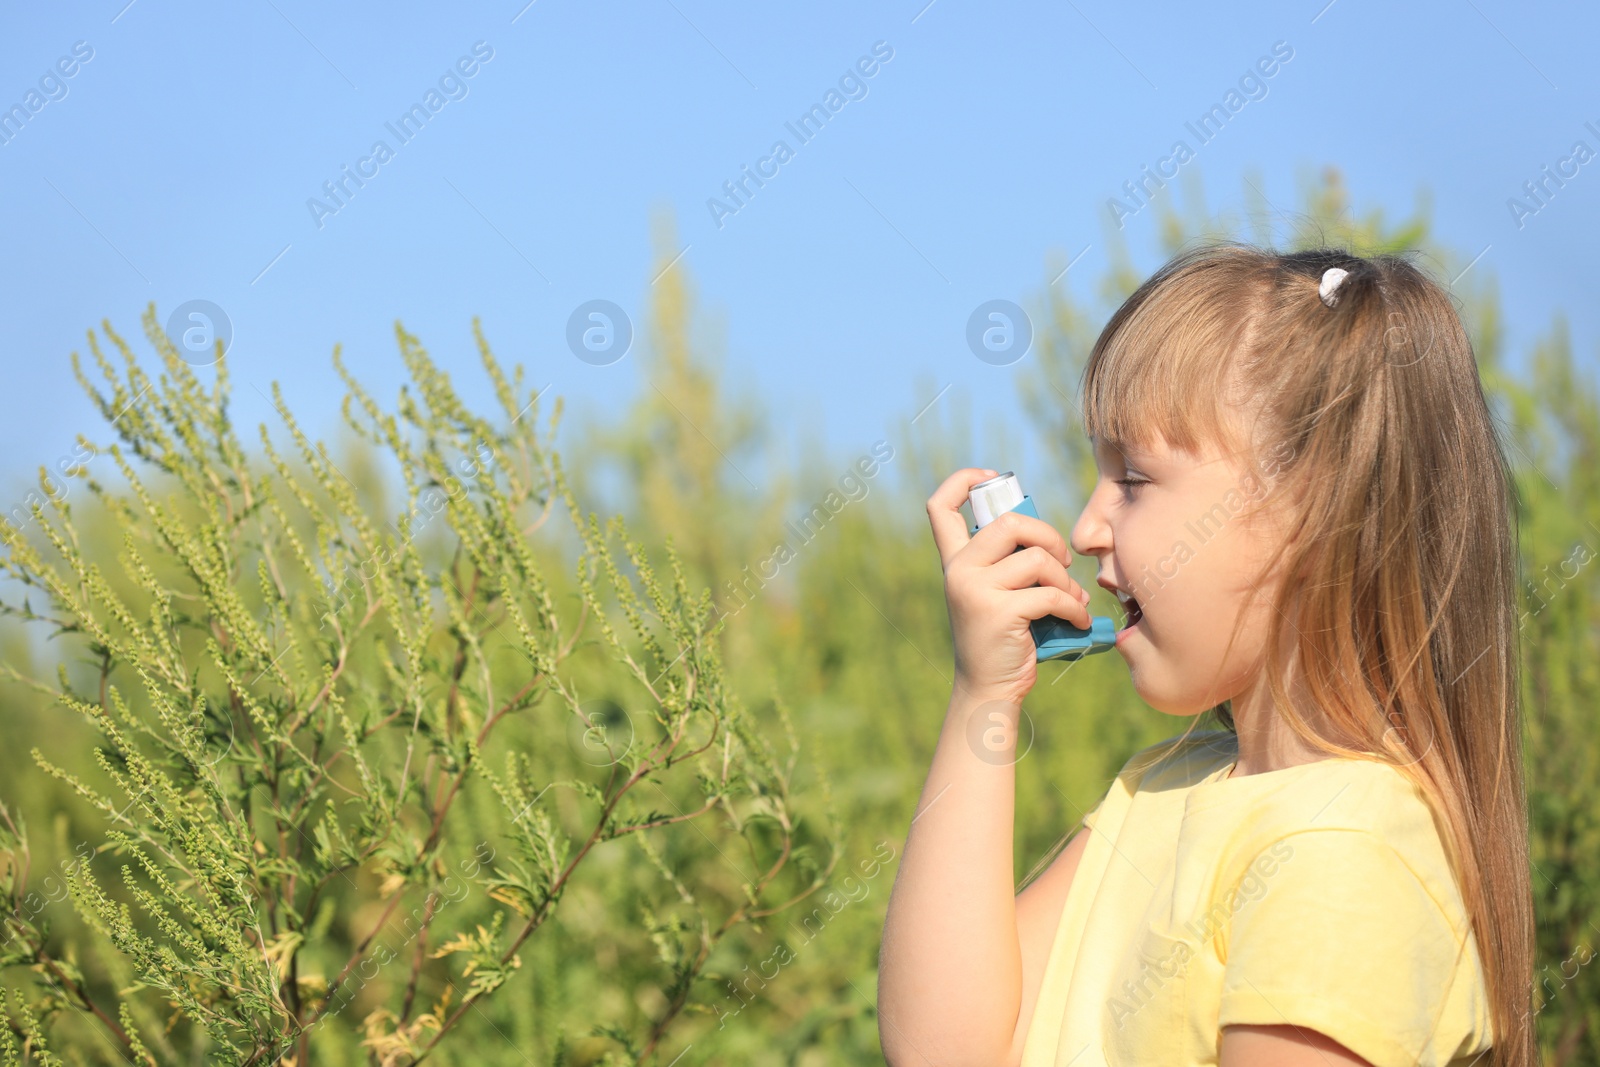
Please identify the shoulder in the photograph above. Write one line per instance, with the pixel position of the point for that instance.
(1361, 875)
(1344, 814)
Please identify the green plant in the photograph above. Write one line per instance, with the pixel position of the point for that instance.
(291, 696)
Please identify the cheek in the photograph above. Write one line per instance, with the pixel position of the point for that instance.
(1185, 665)
(1234, 611)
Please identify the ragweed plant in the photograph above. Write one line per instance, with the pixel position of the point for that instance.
(291, 693)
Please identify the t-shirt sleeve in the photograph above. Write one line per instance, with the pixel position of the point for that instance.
(1093, 813)
(1338, 935)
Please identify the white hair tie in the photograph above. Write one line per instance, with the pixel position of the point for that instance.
(1330, 282)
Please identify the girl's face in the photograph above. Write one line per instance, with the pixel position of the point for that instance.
(1170, 529)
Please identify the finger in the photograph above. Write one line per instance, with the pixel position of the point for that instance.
(1015, 530)
(949, 525)
(1045, 600)
(1035, 566)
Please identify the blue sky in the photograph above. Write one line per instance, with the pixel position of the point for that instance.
(177, 163)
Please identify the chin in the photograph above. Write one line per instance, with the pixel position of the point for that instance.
(1162, 684)
(1177, 705)
(1184, 712)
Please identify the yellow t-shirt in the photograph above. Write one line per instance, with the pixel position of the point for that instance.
(1318, 895)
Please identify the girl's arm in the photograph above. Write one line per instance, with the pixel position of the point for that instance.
(1282, 1046)
(950, 969)
(951, 981)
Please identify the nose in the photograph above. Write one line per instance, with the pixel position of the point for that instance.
(1091, 534)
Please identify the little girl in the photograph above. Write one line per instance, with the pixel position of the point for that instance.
(1303, 507)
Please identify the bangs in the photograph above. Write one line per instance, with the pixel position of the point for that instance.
(1163, 369)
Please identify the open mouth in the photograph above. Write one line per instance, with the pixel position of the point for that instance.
(1132, 611)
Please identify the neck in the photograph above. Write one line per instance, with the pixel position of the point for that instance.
(1266, 741)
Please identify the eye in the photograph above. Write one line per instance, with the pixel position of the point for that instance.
(1131, 484)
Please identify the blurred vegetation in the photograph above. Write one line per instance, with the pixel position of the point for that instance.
(817, 675)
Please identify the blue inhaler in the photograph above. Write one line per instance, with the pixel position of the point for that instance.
(1055, 638)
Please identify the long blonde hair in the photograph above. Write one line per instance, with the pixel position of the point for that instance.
(1402, 620)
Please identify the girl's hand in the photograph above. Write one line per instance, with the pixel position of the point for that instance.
(993, 591)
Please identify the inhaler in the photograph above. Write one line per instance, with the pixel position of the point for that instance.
(1055, 638)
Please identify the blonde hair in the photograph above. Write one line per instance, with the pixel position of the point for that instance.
(1402, 620)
